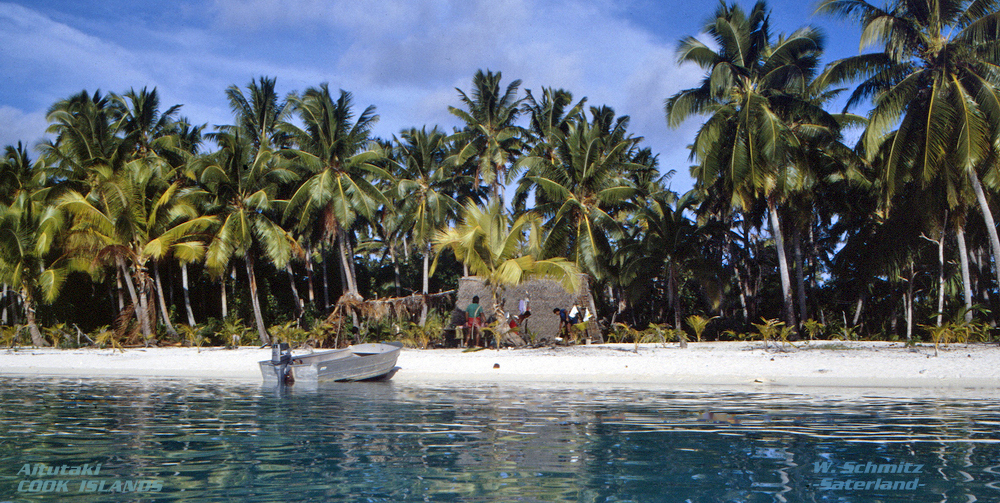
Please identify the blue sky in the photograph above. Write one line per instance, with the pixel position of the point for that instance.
(406, 57)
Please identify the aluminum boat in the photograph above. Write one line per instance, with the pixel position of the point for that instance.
(361, 362)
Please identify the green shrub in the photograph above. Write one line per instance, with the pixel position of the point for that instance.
(10, 336)
(415, 336)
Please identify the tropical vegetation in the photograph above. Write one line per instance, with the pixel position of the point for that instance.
(132, 224)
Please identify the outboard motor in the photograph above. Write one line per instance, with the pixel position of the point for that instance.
(281, 356)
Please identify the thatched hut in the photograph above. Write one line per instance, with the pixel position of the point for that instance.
(543, 295)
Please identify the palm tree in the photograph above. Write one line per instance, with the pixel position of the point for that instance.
(885, 245)
(243, 178)
(491, 136)
(580, 186)
(150, 138)
(667, 247)
(824, 169)
(182, 154)
(29, 228)
(753, 89)
(935, 83)
(503, 251)
(137, 117)
(86, 145)
(259, 112)
(335, 153)
(15, 173)
(130, 221)
(103, 142)
(549, 119)
(244, 188)
(426, 189)
(553, 112)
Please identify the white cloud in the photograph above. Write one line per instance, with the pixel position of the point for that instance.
(38, 50)
(17, 126)
(404, 56)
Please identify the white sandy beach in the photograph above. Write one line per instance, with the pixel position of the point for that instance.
(820, 363)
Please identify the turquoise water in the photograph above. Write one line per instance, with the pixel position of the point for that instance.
(185, 440)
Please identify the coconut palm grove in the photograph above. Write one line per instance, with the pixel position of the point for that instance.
(832, 199)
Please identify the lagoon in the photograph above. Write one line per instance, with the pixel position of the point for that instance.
(189, 440)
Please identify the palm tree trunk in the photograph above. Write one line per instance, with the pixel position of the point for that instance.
(345, 284)
(138, 305)
(906, 314)
(675, 299)
(800, 276)
(426, 285)
(29, 316)
(779, 242)
(351, 263)
(673, 295)
(295, 291)
(395, 269)
(975, 272)
(164, 313)
(170, 285)
(147, 315)
(963, 258)
(909, 303)
(258, 317)
(991, 227)
(940, 248)
(4, 302)
(309, 278)
(345, 266)
(223, 297)
(940, 303)
(739, 277)
(982, 283)
(326, 281)
(187, 295)
(118, 290)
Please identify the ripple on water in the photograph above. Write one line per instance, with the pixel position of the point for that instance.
(483, 442)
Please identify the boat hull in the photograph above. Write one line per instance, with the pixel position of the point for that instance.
(361, 362)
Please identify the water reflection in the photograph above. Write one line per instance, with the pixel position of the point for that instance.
(502, 442)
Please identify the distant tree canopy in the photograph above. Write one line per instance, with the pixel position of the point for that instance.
(131, 213)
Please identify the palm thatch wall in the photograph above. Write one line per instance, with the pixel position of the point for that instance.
(544, 295)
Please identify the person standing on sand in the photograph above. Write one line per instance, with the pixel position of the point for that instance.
(474, 320)
(564, 323)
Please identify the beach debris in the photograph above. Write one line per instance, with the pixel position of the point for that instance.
(496, 365)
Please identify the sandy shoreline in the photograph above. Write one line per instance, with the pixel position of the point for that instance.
(821, 363)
